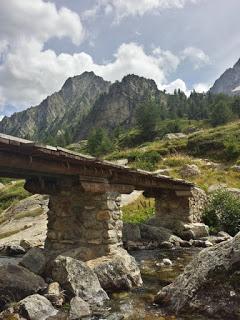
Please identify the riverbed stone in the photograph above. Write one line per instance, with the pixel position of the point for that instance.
(117, 272)
(34, 260)
(209, 284)
(17, 282)
(55, 294)
(188, 231)
(131, 232)
(36, 307)
(78, 309)
(77, 279)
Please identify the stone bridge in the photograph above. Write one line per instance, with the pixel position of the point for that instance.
(84, 215)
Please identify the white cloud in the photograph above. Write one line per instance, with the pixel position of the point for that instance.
(25, 26)
(167, 60)
(30, 73)
(197, 56)
(39, 20)
(201, 87)
(175, 85)
(124, 8)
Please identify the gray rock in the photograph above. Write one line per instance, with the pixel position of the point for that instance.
(12, 250)
(36, 307)
(78, 279)
(236, 168)
(229, 82)
(79, 308)
(167, 262)
(151, 232)
(209, 284)
(224, 234)
(34, 260)
(172, 136)
(17, 282)
(190, 170)
(194, 231)
(55, 294)
(131, 232)
(117, 272)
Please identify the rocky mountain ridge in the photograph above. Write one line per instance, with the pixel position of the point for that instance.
(229, 81)
(59, 113)
(83, 103)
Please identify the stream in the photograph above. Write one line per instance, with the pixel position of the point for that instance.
(138, 304)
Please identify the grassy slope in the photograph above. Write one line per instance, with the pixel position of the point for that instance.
(171, 154)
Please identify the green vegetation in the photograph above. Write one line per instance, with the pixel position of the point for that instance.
(12, 193)
(99, 143)
(139, 211)
(223, 212)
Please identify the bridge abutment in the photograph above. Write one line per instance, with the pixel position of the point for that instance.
(180, 210)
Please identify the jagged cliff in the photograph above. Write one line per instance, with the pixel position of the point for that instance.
(59, 113)
(229, 82)
(85, 102)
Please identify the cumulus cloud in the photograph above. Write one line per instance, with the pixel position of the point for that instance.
(30, 73)
(201, 87)
(25, 26)
(197, 56)
(38, 20)
(175, 85)
(124, 8)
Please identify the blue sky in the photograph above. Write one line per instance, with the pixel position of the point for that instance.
(178, 43)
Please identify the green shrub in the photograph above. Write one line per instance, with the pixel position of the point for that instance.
(232, 148)
(99, 142)
(223, 212)
(148, 160)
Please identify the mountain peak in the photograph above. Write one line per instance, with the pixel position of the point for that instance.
(229, 81)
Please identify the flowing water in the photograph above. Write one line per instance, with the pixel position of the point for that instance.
(138, 304)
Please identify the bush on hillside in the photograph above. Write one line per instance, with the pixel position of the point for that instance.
(223, 212)
(232, 148)
(99, 143)
(148, 160)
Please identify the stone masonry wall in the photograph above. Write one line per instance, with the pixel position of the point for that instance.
(84, 225)
(171, 210)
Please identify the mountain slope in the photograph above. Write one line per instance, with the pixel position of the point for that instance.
(85, 102)
(117, 108)
(229, 82)
(59, 113)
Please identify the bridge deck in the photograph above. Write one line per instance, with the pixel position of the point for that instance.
(21, 158)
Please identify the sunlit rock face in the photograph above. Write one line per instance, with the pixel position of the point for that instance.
(209, 284)
(229, 82)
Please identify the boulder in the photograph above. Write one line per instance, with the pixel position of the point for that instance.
(12, 250)
(210, 284)
(131, 232)
(55, 294)
(151, 232)
(78, 309)
(77, 279)
(36, 307)
(190, 170)
(195, 231)
(17, 282)
(236, 168)
(117, 272)
(34, 260)
(172, 136)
